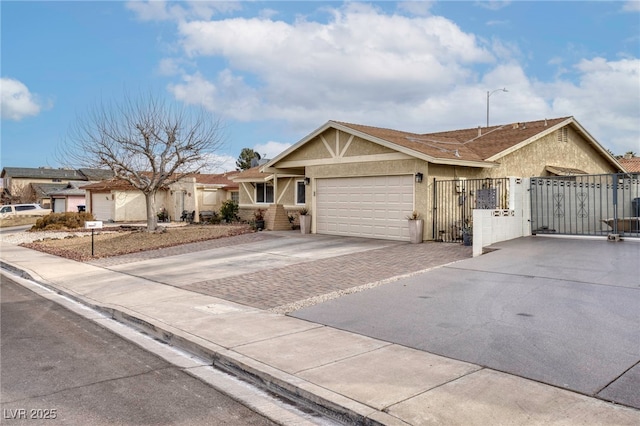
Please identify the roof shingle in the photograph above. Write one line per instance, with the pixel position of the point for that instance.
(630, 164)
(476, 144)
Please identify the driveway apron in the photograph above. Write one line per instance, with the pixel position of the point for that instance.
(559, 311)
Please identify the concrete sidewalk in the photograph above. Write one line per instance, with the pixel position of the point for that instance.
(351, 377)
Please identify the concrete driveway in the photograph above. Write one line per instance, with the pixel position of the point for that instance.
(276, 270)
(560, 311)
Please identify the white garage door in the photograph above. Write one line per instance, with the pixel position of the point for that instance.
(58, 205)
(102, 206)
(371, 207)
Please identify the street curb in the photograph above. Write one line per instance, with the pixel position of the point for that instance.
(276, 382)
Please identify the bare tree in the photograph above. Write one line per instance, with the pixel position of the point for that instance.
(144, 141)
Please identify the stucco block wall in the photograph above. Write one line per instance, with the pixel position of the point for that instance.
(492, 226)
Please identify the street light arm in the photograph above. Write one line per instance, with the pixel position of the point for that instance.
(488, 96)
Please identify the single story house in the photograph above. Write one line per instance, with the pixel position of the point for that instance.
(116, 200)
(364, 181)
(68, 199)
(25, 184)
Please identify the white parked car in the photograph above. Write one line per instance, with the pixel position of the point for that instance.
(10, 210)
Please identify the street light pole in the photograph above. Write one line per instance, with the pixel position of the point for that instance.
(488, 95)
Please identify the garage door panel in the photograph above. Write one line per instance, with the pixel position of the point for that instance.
(373, 207)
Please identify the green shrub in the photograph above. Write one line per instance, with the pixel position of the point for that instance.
(229, 211)
(68, 220)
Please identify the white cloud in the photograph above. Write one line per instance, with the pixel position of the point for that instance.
(158, 10)
(150, 10)
(219, 163)
(169, 67)
(417, 8)
(270, 149)
(307, 71)
(605, 99)
(631, 6)
(17, 101)
(417, 73)
(493, 4)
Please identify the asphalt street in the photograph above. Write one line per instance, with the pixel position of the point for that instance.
(562, 312)
(60, 368)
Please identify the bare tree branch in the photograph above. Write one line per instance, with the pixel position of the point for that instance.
(144, 141)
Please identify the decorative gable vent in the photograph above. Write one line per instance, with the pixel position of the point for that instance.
(562, 134)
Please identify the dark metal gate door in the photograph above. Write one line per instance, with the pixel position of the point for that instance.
(454, 201)
(596, 205)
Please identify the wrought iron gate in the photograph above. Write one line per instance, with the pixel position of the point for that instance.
(586, 205)
(454, 201)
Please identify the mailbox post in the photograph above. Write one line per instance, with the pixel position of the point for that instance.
(93, 225)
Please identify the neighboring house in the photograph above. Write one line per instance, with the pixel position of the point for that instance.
(214, 189)
(71, 198)
(23, 184)
(44, 191)
(630, 163)
(364, 181)
(118, 201)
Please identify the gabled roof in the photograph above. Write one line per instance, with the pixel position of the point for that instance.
(475, 147)
(61, 173)
(112, 184)
(630, 164)
(44, 189)
(96, 174)
(72, 188)
(222, 180)
(42, 173)
(252, 175)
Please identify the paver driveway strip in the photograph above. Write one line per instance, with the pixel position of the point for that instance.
(283, 268)
(505, 311)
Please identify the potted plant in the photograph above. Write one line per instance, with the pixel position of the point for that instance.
(258, 215)
(416, 226)
(305, 221)
(292, 221)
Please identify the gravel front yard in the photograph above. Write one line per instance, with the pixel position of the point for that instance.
(77, 245)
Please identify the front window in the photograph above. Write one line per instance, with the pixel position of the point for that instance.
(300, 192)
(235, 197)
(264, 193)
(6, 209)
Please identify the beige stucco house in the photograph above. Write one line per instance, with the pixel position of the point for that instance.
(364, 181)
(118, 201)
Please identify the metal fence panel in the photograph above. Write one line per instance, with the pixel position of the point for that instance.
(586, 205)
(454, 201)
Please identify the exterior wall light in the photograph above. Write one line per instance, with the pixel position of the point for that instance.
(307, 181)
(419, 177)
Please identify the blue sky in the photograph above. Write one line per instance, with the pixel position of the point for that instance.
(275, 71)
